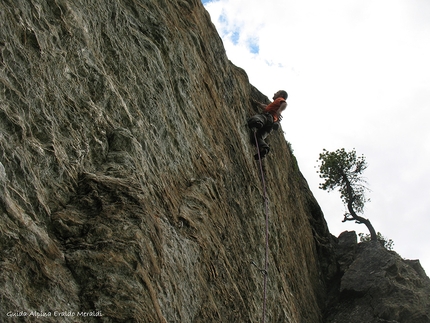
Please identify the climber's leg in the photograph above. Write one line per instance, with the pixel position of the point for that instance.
(256, 121)
(263, 147)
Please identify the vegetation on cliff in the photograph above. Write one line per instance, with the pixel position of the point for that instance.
(343, 170)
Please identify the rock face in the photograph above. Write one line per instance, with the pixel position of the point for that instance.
(377, 285)
(128, 191)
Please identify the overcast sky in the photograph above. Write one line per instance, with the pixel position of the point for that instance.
(358, 76)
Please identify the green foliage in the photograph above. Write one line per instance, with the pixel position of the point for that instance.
(290, 146)
(343, 170)
(387, 243)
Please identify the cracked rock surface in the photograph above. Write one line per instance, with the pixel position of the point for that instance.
(128, 185)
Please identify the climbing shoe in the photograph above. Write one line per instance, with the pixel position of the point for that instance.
(256, 157)
(263, 153)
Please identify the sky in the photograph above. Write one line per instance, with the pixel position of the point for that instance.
(357, 73)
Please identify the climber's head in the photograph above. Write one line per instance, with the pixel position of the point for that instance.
(280, 93)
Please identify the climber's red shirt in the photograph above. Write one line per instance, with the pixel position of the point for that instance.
(273, 107)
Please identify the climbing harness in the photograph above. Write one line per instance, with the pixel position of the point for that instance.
(266, 254)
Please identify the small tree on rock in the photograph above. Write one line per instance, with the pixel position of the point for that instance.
(343, 170)
(387, 243)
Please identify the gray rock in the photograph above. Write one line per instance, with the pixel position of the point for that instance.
(379, 286)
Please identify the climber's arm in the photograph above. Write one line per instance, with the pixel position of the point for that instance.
(282, 107)
(259, 104)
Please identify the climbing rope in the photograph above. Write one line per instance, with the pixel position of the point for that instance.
(266, 254)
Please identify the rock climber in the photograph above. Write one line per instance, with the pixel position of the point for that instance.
(262, 124)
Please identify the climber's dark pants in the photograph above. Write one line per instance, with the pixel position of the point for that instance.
(263, 123)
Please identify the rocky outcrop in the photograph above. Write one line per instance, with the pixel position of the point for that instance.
(375, 285)
(128, 187)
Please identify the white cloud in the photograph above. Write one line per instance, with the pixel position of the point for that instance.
(358, 76)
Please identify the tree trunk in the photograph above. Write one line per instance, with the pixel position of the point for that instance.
(356, 217)
(360, 219)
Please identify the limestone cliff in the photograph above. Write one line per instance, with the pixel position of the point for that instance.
(128, 191)
(129, 185)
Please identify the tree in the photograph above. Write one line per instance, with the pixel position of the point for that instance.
(343, 170)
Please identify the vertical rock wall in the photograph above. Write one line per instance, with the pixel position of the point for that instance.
(128, 188)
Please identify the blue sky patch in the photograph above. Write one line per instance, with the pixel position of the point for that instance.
(235, 37)
(253, 46)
